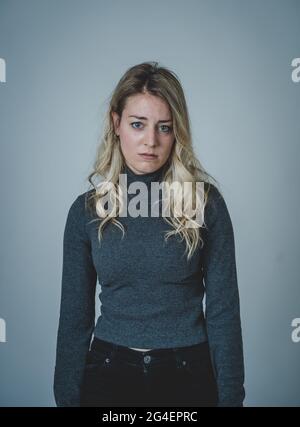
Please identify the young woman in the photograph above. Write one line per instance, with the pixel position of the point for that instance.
(155, 342)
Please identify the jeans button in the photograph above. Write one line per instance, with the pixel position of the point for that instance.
(147, 359)
(107, 360)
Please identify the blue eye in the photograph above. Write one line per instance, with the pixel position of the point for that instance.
(134, 123)
(169, 128)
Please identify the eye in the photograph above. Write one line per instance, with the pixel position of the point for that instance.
(134, 123)
(169, 128)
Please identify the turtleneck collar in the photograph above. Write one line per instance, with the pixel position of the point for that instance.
(147, 178)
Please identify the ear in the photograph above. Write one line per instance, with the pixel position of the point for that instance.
(116, 121)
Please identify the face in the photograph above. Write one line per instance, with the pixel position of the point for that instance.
(145, 128)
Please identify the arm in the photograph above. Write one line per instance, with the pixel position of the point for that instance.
(77, 308)
(222, 302)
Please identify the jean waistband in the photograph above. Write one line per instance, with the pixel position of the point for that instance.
(195, 350)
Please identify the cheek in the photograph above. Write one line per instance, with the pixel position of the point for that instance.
(129, 136)
(168, 147)
(129, 142)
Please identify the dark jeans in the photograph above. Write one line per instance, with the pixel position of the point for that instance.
(119, 376)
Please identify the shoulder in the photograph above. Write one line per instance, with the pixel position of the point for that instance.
(214, 196)
(215, 208)
(79, 207)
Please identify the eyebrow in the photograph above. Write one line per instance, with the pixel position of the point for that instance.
(145, 118)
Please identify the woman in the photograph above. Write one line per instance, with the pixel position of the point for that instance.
(153, 344)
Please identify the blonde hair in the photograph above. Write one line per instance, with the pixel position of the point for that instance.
(181, 166)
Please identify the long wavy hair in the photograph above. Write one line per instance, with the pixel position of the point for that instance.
(181, 166)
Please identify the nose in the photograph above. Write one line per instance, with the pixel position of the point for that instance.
(150, 138)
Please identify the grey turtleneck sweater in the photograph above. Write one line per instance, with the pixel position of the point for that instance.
(151, 296)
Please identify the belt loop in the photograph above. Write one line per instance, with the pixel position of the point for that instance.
(177, 356)
(114, 349)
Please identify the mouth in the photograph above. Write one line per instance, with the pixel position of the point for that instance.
(148, 156)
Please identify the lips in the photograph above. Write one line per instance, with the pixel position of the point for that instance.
(148, 155)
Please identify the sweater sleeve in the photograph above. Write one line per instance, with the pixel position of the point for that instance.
(77, 308)
(222, 310)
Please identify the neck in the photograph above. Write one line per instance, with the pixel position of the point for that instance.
(147, 178)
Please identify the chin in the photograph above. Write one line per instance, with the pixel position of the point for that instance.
(149, 166)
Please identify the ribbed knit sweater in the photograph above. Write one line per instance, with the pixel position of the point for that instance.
(151, 296)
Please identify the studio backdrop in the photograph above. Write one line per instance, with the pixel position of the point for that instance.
(239, 64)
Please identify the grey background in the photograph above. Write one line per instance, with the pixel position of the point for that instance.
(63, 59)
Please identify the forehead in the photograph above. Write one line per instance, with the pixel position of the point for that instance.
(147, 105)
